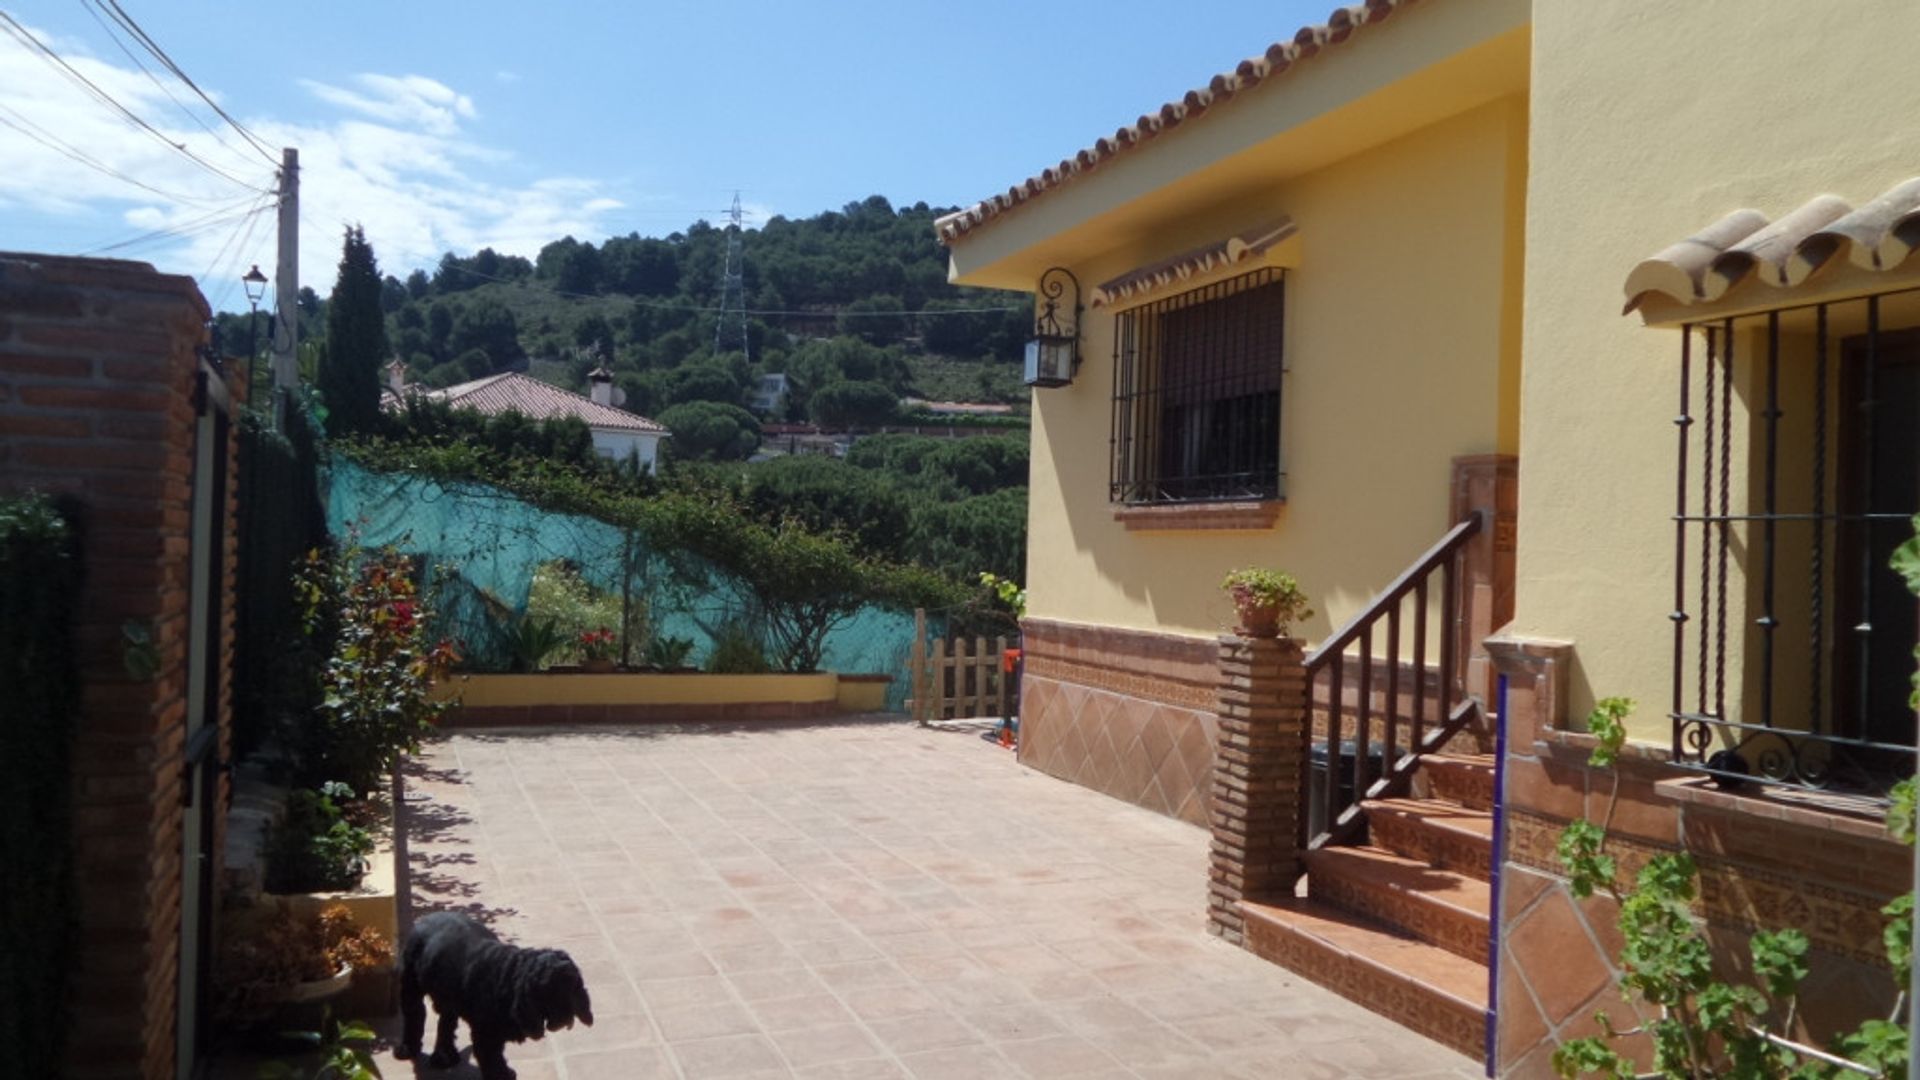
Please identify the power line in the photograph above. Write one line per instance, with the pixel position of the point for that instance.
(94, 8)
(27, 38)
(53, 142)
(120, 16)
(185, 228)
(239, 256)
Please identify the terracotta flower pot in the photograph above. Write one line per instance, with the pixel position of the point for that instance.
(1260, 622)
(598, 667)
(319, 989)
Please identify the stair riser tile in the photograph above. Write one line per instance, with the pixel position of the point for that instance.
(1461, 933)
(1467, 785)
(1406, 1002)
(1408, 835)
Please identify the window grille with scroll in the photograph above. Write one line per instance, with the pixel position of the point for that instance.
(1196, 394)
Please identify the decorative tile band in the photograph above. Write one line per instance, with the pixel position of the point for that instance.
(1166, 668)
(1838, 921)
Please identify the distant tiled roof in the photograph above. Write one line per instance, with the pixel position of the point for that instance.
(535, 400)
(1785, 253)
(1252, 72)
(1234, 249)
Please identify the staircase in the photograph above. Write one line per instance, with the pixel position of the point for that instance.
(1394, 909)
(1400, 924)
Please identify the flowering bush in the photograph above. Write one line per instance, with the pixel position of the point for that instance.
(597, 644)
(376, 686)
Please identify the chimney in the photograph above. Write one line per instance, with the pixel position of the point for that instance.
(397, 376)
(601, 382)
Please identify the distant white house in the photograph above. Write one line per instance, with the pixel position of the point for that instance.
(617, 433)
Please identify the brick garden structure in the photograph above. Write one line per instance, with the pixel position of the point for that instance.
(100, 368)
(1258, 773)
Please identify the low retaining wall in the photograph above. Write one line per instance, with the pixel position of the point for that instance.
(550, 699)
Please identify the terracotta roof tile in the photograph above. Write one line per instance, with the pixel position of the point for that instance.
(535, 400)
(1782, 254)
(1279, 57)
(1136, 284)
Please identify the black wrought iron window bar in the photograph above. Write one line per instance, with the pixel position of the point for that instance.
(1196, 394)
(1792, 637)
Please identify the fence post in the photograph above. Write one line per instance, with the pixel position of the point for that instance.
(941, 668)
(1257, 797)
(917, 666)
(982, 671)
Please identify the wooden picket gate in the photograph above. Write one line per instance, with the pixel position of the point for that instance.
(959, 680)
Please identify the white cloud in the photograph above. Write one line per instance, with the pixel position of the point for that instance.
(409, 101)
(394, 159)
(506, 76)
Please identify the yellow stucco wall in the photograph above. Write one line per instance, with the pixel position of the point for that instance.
(1402, 349)
(1651, 119)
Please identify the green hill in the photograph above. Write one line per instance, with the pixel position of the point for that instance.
(855, 295)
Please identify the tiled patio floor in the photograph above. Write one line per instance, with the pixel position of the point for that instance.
(860, 900)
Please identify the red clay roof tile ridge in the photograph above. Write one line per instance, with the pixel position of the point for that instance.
(1278, 58)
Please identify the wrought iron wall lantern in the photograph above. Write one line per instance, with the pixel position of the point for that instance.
(1054, 352)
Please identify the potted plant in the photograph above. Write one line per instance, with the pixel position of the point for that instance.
(1267, 601)
(596, 650)
(276, 956)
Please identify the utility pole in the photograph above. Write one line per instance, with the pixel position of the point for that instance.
(732, 323)
(286, 286)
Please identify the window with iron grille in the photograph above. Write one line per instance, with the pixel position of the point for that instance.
(1196, 394)
(1792, 636)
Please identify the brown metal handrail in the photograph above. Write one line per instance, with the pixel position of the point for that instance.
(1454, 707)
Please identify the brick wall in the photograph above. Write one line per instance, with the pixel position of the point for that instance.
(97, 369)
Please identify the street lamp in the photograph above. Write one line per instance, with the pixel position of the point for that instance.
(256, 283)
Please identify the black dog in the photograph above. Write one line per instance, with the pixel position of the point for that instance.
(505, 994)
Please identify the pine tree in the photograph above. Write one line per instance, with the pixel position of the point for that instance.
(356, 341)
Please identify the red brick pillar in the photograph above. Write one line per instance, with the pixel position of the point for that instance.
(98, 361)
(1258, 802)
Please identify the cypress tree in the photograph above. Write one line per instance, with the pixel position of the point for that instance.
(356, 341)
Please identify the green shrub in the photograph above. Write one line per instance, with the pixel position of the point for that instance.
(315, 848)
(560, 597)
(737, 650)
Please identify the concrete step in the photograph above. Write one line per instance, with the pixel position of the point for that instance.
(1441, 907)
(1414, 984)
(1466, 779)
(1435, 831)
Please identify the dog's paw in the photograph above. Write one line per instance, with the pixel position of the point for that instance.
(444, 1058)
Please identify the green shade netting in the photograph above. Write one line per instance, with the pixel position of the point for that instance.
(480, 547)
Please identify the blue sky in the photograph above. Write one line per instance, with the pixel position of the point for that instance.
(443, 125)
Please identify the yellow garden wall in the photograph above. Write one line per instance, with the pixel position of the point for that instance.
(509, 691)
(1650, 120)
(1403, 300)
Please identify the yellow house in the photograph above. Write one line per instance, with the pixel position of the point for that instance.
(1353, 309)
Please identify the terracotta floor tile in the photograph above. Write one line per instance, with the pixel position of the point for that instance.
(732, 1056)
(788, 1014)
(961, 1063)
(824, 1044)
(764, 903)
(1061, 1055)
(634, 1063)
